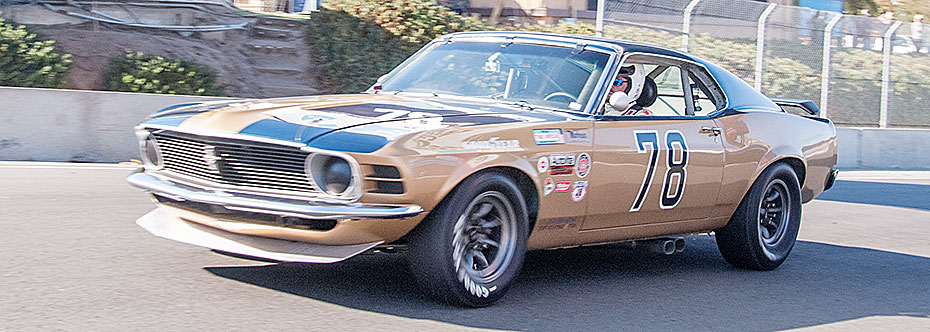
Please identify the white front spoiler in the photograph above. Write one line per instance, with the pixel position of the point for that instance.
(163, 223)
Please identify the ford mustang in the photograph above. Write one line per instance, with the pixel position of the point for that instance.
(485, 145)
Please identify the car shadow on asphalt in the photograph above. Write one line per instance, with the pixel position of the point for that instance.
(611, 288)
(914, 196)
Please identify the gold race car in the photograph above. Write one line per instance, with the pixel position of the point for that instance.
(484, 145)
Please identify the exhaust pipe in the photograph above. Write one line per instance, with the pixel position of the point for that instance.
(662, 246)
(679, 245)
(667, 246)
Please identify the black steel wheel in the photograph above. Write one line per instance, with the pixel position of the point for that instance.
(472, 246)
(764, 228)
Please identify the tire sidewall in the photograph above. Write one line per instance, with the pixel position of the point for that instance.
(431, 250)
(770, 257)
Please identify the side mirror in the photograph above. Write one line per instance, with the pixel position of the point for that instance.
(798, 106)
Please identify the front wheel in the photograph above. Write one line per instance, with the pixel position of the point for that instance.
(764, 228)
(471, 248)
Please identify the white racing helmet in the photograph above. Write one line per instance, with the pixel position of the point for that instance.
(623, 100)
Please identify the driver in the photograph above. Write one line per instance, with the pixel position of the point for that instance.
(625, 90)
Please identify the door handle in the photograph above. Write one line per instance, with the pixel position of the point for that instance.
(711, 130)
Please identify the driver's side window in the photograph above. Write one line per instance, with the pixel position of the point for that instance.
(648, 85)
(670, 97)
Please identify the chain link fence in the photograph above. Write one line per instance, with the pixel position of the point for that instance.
(861, 71)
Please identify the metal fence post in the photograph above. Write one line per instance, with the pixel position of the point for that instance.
(760, 44)
(686, 25)
(599, 20)
(886, 73)
(825, 70)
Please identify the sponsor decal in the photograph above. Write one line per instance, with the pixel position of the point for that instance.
(548, 136)
(577, 136)
(542, 165)
(556, 224)
(562, 160)
(584, 165)
(548, 187)
(492, 143)
(561, 187)
(561, 164)
(580, 191)
(560, 170)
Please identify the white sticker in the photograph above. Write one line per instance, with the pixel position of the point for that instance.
(548, 136)
(562, 160)
(581, 189)
(549, 187)
(542, 165)
(583, 165)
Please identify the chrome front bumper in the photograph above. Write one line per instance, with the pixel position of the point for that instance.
(288, 208)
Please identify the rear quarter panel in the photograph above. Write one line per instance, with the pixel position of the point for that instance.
(755, 140)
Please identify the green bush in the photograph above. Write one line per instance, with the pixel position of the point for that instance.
(358, 41)
(415, 21)
(137, 72)
(26, 61)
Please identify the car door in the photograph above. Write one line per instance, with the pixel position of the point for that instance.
(659, 168)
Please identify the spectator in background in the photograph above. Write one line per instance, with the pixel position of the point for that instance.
(863, 24)
(918, 35)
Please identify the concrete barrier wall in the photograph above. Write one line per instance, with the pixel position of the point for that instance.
(75, 125)
(873, 148)
(72, 125)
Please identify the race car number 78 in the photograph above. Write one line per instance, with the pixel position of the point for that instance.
(648, 141)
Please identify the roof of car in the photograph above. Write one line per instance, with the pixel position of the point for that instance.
(628, 46)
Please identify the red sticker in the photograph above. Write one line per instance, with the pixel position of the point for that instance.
(561, 187)
(560, 170)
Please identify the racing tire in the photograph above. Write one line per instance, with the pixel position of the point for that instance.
(470, 249)
(764, 228)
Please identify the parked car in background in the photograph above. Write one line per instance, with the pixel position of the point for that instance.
(485, 145)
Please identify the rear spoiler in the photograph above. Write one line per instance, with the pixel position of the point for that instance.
(798, 106)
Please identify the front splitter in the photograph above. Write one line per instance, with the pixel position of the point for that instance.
(161, 222)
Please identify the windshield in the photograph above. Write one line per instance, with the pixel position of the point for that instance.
(549, 76)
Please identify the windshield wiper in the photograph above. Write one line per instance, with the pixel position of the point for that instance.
(525, 105)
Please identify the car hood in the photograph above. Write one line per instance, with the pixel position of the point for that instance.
(351, 123)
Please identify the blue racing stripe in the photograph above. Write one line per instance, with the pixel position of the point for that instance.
(284, 131)
(173, 121)
(349, 142)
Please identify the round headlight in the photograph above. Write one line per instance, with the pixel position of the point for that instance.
(151, 154)
(331, 174)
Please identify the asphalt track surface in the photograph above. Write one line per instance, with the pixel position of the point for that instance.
(72, 259)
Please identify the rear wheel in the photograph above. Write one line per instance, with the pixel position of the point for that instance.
(764, 228)
(471, 248)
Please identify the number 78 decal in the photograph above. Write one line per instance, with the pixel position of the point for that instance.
(647, 141)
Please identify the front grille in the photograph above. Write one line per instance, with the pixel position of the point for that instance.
(235, 162)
